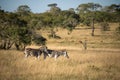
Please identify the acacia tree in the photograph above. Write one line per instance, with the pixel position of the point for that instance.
(54, 9)
(67, 19)
(90, 9)
(6, 32)
(71, 19)
(115, 9)
(14, 30)
(83, 12)
(93, 7)
(23, 10)
(112, 8)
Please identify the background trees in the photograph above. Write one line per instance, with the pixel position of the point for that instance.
(19, 28)
(14, 30)
(23, 10)
(88, 13)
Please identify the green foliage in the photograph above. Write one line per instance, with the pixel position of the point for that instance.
(112, 8)
(117, 33)
(87, 12)
(52, 5)
(23, 10)
(24, 35)
(70, 20)
(104, 26)
(87, 7)
(14, 30)
(39, 40)
(64, 19)
(19, 27)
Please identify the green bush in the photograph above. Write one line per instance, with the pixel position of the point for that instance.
(39, 40)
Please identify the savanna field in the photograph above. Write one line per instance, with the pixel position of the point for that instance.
(99, 62)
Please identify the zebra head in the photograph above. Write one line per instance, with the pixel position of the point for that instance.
(44, 50)
(65, 54)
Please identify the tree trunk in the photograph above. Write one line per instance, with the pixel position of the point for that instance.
(9, 44)
(17, 46)
(4, 44)
(93, 28)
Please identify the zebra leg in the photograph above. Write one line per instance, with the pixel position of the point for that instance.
(66, 55)
(26, 55)
(38, 57)
(44, 55)
(55, 57)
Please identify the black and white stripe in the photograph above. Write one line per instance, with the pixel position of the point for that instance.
(36, 52)
(57, 53)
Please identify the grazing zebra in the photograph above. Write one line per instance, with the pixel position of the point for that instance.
(36, 52)
(56, 53)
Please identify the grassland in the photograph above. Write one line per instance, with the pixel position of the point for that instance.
(99, 62)
(89, 65)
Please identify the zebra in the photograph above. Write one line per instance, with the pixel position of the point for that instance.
(36, 52)
(57, 53)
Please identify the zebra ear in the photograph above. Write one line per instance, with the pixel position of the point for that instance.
(44, 46)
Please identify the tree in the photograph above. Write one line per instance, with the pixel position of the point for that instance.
(23, 10)
(8, 29)
(112, 8)
(93, 7)
(70, 21)
(52, 5)
(71, 10)
(113, 11)
(54, 9)
(14, 30)
(83, 8)
(118, 29)
(89, 8)
(39, 39)
(104, 26)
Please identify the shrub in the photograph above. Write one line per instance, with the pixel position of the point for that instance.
(39, 40)
(117, 33)
(104, 26)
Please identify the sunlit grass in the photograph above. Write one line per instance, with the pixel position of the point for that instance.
(99, 62)
(92, 65)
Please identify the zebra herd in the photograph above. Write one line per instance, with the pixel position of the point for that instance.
(46, 52)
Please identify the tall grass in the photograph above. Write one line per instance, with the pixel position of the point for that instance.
(99, 62)
(92, 65)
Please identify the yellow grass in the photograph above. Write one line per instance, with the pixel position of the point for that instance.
(100, 40)
(99, 62)
(89, 65)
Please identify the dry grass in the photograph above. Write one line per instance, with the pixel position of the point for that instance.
(100, 40)
(99, 62)
(89, 65)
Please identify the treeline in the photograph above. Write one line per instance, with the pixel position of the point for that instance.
(18, 28)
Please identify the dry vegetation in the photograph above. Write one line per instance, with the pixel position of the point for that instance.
(99, 62)
(89, 65)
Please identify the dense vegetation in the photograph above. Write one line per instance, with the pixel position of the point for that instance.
(19, 28)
